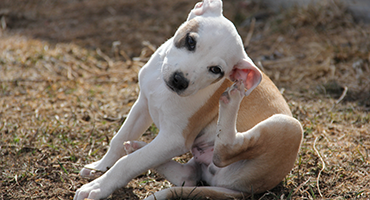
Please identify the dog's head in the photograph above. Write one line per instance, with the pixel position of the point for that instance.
(206, 49)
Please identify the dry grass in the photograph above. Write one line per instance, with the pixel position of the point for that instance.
(62, 98)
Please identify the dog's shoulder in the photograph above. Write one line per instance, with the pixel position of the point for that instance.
(265, 101)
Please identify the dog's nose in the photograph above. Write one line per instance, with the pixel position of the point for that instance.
(179, 82)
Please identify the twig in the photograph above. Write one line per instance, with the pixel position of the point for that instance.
(115, 45)
(279, 61)
(301, 185)
(105, 57)
(323, 166)
(343, 95)
(3, 22)
(126, 57)
(250, 33)
(16, 181)
(149, 45)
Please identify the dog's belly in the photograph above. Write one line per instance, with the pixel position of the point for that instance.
(203, 153)
(203, 146)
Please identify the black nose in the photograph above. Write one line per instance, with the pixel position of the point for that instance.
(178, 82)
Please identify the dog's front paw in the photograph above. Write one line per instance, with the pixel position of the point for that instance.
(93, 190)
(131, 146)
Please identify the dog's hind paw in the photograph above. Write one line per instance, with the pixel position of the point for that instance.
(85, 172)
(236, 91)
(131, 146)
(91, 169)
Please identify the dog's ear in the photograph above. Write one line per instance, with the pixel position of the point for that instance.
(248, 72)
(206, 7)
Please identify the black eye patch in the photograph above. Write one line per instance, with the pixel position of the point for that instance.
(187, 35)
(190, 42)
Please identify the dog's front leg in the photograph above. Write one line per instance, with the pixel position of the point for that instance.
(164, 147)
(138, 120)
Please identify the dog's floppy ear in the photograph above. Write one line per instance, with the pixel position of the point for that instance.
(206, 7)
(248, 72)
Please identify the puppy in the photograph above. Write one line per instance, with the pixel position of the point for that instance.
(183, 93)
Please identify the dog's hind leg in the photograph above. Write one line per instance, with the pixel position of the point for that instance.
(266, 152)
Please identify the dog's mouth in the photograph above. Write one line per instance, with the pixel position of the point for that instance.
(169, 86)
(173, 89)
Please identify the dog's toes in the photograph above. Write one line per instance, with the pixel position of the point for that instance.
(237, 87)
(85, 172)
(131, 146)
(236, 91)
(128, 147)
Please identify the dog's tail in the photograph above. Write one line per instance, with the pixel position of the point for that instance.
(188, 193)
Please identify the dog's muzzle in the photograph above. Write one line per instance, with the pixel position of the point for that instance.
(177, 82)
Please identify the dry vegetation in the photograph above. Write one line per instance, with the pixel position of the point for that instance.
(68, 77)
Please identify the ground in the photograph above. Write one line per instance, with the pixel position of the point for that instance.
(68, 77)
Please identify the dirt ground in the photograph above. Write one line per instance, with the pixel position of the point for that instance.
(68, 77)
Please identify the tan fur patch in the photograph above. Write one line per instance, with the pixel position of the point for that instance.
(262, 103)
(191, 26)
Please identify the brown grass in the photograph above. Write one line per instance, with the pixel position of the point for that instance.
(66, 85)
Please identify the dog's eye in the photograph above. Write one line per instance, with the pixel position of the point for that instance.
(190, 43)
(215, 70)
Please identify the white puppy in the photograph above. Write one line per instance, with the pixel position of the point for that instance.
(182, 92)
